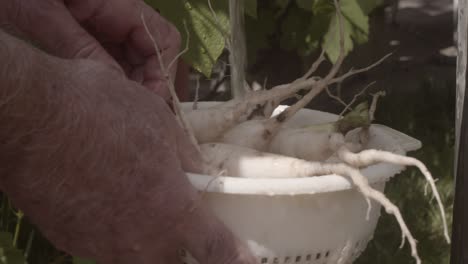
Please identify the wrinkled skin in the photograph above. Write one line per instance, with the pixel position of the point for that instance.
(91, 155)
(110, 31)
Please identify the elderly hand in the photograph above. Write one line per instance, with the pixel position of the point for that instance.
(94, 159)
(98, 163)
(109, 31)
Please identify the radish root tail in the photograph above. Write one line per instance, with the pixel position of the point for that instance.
(176, 103)
(369, 157)
(363, 186)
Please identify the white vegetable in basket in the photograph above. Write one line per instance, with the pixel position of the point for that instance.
(312, 142)
(250, 131)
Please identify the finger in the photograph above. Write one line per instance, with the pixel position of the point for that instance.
(112, 20)
(60, 34)
(120, 21)
(155, 79)
(167, 39)
(187, 222)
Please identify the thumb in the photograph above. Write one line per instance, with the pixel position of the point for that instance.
(51, 25)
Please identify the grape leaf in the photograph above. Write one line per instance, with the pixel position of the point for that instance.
(368, 5)
(317, 30)
(353, 12)
(359, 36)
(207, 39)
(331, 42)
(356, 27)
(323, 7)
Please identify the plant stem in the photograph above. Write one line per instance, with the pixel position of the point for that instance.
(19, 216)
(27, 250)
(237, 52)
(8, 209)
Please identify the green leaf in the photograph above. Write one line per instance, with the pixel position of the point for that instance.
(251, 8)
(358, 117)
(353, 12)
(356, 27)
(318, 27)
(323, 7)
(368, 5)
(207, 39)
(359, 36)
(331, 42)
(77, 260)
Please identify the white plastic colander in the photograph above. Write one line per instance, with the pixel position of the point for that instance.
(316, 220)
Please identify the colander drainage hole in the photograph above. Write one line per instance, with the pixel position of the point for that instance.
(297, 259)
